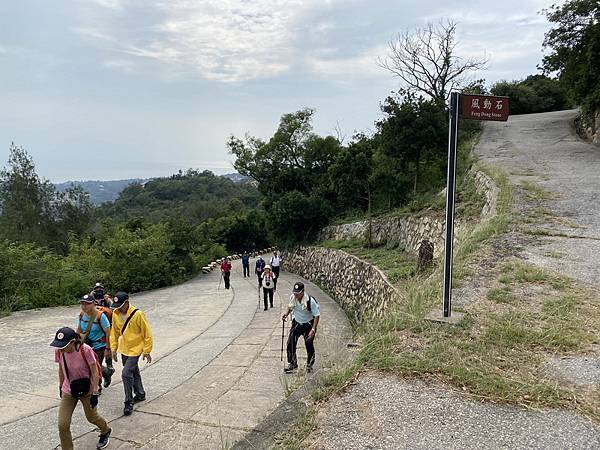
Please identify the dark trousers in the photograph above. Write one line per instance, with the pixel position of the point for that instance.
(276, 272)
(132, 380)
(258, 275)
(226, 276)
(246, 270)
(268, 293)
(106, 370)
(297, 330)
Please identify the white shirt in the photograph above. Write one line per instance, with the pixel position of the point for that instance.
(300, 311)
(275, 261)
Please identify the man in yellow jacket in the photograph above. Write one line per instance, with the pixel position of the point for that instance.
(130, 334)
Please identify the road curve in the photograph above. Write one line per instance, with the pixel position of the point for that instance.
(216, 370)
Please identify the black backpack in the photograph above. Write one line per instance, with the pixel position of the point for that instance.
(309, 303)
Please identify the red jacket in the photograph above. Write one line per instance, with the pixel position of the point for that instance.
(225, 266)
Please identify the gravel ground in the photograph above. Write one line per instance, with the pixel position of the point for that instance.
(582, 370)
(384, 412)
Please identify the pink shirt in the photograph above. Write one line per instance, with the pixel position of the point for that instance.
(78, 368)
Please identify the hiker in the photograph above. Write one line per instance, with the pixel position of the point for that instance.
(98, 289)
(268, 286)
(78, 378)
(226, 271)
(130, 325)
(246, 264)
(276, 265)
(97, 336)
(258, 270)
(305, 320)
(105, 302)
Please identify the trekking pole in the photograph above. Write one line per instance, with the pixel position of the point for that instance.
(282, 334)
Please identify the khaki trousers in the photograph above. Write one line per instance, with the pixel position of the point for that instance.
(65, 412)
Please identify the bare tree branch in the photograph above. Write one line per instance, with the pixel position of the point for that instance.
(425, 60)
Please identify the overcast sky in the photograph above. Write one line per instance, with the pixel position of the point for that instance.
(109, 89)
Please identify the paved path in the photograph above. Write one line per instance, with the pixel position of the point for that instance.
(216, 370)
(544, 149)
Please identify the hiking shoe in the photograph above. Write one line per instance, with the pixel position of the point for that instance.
(104, 439)
(108, 379)
(139, 398)
(309, 369)
(128, 409)
(290, 368)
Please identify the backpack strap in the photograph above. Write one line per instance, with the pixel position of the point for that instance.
(127, 321)
(82, 355)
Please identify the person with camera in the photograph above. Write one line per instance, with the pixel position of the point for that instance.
(268, 284)
(78, 379)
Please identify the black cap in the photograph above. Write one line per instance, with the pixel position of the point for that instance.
(87, 299)
(119, 299)
(298, 287)
(63, 337)
(98, 295)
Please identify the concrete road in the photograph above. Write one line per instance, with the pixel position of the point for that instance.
(216, 369)
(545, 150)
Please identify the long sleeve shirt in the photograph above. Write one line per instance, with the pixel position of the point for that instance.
(136, 340)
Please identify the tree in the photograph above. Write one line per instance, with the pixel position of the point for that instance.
(25, 199)
(426, 63)
(73, 211)
(412, 140)
(575, 45)
(293, 157)
(535, 94)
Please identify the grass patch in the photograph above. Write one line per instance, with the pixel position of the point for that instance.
(294, 438)
(535, 192)
(501, 295)
(397, 264)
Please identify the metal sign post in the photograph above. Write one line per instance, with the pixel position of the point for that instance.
(478, 107)
(450, 190)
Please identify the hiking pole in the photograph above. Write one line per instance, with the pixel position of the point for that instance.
(282, 334)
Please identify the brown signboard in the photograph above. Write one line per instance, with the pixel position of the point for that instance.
(484, 107)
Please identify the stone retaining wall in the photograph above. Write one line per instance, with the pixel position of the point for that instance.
(360, 288)
(407, 232)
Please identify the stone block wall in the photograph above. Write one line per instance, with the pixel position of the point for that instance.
(407, 232)
(359, 287)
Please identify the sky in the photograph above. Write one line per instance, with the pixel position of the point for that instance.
(115, 89)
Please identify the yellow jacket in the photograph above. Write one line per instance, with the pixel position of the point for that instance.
(137, 339)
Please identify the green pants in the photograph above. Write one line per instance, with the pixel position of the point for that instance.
(65, 412)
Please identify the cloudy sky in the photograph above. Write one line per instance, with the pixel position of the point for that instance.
(109, 89)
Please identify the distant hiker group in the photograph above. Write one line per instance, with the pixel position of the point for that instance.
(107, 325)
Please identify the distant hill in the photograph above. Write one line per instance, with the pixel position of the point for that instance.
(108, 191)
(192, 197)
(101, 191)
(238, 178)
